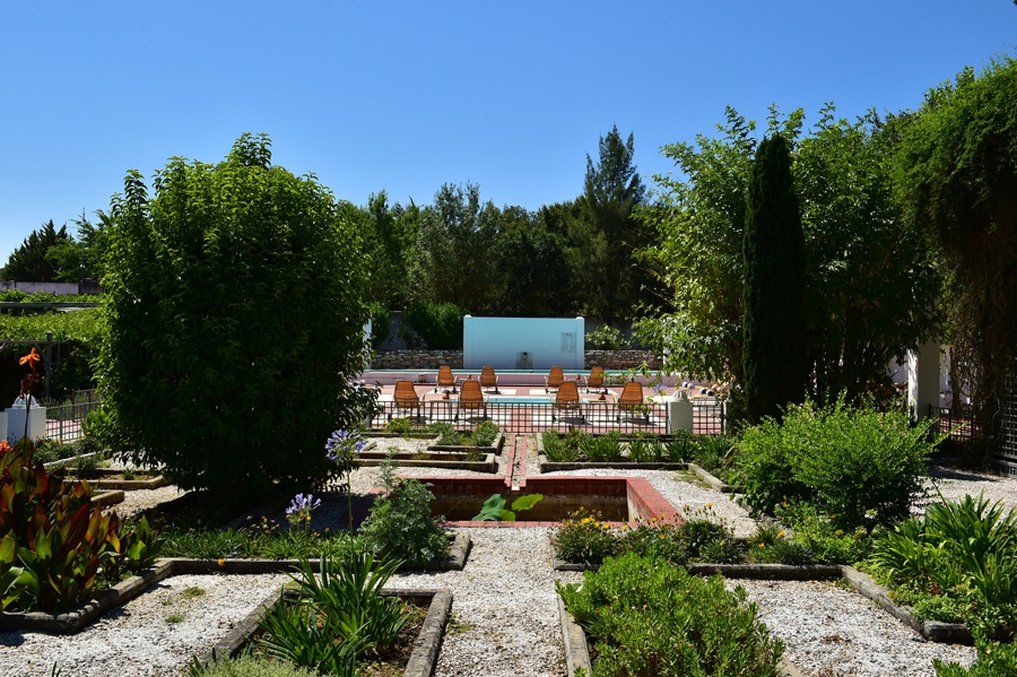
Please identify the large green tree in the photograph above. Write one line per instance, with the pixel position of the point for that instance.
(956, 173)
(235, 310)
(871, 280)
(605, 233)
(774, 362)
(30, 261)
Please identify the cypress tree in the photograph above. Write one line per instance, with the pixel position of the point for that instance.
(774, 356)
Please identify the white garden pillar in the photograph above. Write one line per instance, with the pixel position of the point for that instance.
(679, 414)
(923, 380)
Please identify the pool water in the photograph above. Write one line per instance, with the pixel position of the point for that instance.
(500, 399)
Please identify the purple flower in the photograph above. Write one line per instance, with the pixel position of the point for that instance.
(344, 442)
(303, 503)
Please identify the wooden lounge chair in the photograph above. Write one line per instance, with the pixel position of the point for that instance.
(596, 379)
(567, 399)
(488, 378)
(406, 397)
(554, 379)
(446, 379)
(631, 399)
(471, 398)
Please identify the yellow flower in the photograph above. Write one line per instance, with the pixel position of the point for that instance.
(221, 561)
(781, 534)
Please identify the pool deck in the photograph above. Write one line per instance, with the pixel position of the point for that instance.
(506, 377)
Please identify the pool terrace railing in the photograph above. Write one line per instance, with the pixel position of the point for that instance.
(537, 417)
(64, 419)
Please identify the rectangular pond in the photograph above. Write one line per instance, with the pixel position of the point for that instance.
(617, 499)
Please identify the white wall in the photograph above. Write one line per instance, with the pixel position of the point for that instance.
(498, 341)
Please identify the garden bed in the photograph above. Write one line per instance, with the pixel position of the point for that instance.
(862, 583)
(111, 478)
(476, 461)
(422, 658)
(75, 620)
(546, 466)
(494, 448)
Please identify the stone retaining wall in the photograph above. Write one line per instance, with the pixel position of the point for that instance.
(431, 359)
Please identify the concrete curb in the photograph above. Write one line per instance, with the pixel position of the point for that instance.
(577, 648)
(493, 448)
(489, 464)
(426, 645)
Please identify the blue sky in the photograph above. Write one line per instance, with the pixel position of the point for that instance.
(405, 96)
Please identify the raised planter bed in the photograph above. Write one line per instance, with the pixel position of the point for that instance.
(546, 466)
(493, 448)
(577, 648)
(108, 498)
(109, 478)
(934, 631)
(75, 620)
(414, 435)
(453, 460)
(426, 646)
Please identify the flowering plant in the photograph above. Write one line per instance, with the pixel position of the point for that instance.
(299, 511)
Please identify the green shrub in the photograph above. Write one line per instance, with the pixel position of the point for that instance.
(646, 617)
(562, 450)
(645, 448)
(966, 550)
(601, 448)
(235, 311)
(995, 659)
(399, 426)
(381, 323)
(438, 325)
(339, 616)
(250, 666)
(859, 466)
(584, 538)
(606, 337)
(79, 334)
(400, 525)
(485, 433)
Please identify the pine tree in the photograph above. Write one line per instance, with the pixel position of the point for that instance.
(775, 364)
(29, 262)
(604, 234)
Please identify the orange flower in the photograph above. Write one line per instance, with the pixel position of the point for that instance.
(30, 359)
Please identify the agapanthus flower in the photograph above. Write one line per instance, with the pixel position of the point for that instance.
(343, 441)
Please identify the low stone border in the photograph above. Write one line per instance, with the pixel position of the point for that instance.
(77, 619)
(412, 435)
(577, 648)
(493, 448)
(426, 646)
(934, 631)
(108, 498)
(153, 482)
(62, 462)
(488, 464)
(546, 466)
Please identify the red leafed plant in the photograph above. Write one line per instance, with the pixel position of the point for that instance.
(55, 542)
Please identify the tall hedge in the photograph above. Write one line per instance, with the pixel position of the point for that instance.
(235, 306)
(775, 363)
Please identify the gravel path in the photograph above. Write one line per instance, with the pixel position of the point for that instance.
(137, 639)
(685, 496)
(137, 500)
(412, 445)
(831, 631)
(505, 616)
(955, 483)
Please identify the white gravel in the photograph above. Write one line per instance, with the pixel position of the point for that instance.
(955, 483)
(504, 607)
(137, 500)
(411, 445)
(828, 631)
(136, 639)
(687, 497)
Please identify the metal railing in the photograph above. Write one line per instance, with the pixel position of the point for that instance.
(64, 419)
(536, 417)
(956, 423)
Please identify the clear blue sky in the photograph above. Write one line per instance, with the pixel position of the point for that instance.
(405, 96)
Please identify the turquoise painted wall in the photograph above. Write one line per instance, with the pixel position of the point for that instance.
(500, 341)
